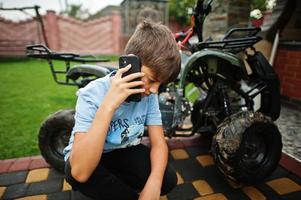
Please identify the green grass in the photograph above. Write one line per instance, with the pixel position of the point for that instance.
(28, 96)
(109, 57)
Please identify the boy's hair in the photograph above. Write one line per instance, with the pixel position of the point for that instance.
(157, 49)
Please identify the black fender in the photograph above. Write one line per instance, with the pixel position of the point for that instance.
(270, 96)
(225, 64)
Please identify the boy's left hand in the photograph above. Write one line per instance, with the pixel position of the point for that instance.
(151, 190)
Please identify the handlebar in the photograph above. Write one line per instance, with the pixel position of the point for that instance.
(201, 9)
(43, 52)
(200, 12)
(246, 36)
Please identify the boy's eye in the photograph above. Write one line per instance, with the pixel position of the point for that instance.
(151, 81)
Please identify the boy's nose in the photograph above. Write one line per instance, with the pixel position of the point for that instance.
(154, 88)
(153, 91)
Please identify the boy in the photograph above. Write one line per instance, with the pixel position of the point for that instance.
(104, 158)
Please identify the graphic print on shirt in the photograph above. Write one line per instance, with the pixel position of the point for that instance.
(121, 132)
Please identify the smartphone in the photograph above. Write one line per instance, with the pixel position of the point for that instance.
(124, 61)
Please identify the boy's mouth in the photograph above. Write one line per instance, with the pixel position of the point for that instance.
(144, 95)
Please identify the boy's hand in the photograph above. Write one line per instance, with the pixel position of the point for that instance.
(151, 190)
(122, 87)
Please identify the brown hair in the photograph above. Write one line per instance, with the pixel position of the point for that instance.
(155, 45)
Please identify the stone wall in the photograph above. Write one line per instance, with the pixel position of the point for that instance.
(226, 14)
(133, 10)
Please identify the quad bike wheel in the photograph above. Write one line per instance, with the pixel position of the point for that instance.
(247, 147)
(54, 136)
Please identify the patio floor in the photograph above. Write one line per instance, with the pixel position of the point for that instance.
(198, 177)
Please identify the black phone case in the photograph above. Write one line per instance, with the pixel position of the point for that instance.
(136, 67)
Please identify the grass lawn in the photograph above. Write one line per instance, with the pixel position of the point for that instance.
(28, 96)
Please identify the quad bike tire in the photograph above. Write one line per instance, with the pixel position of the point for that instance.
(54, 135)
(247, 147)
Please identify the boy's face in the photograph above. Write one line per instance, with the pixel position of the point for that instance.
(151, 84)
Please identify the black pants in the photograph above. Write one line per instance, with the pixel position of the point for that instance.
(121, 174)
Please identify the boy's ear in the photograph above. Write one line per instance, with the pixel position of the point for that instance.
(179, 45)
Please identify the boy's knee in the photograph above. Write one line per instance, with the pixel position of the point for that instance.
(170, 181)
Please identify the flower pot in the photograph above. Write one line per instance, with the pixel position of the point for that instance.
(257, 22)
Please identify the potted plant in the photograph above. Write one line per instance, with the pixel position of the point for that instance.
(261, 10)
(256, 18)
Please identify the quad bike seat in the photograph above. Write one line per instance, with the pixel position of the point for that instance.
(84, 70)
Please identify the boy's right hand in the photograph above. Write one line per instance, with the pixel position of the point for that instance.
(122, 87)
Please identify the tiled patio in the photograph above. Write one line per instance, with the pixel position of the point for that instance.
(198, 176)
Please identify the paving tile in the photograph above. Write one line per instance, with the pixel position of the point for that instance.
(290, 164)
(180, 179)
(284, 186)
(20, 164)
(170, 158)
(66, 186)
(295, 178)
(59, 196)
(185, 191)
(189, 169)
(196, 151)
(45, 187)
(175, 144)
(194, 180)
(267, 191)
(163, 197)
(76, 195)
(297, 170)
(216, 179)
(12, 178)
(36, 197)
(205, 160)
(179, 154)
(217, 196)
(37, 175)
(54, 174)
(15, 191)
(38, 162)
(278, 173)
(2, 190)
(236, 194)
(11, 160)
(5, 164)
(234, 185)
(38, 157)
(192, 141)
(291, 196)
(202, 187)
(253, 193)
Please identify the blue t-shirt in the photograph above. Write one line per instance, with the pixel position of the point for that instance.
(127, 125)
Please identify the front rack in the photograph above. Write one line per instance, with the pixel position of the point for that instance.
(233, 44)
(43, 52)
